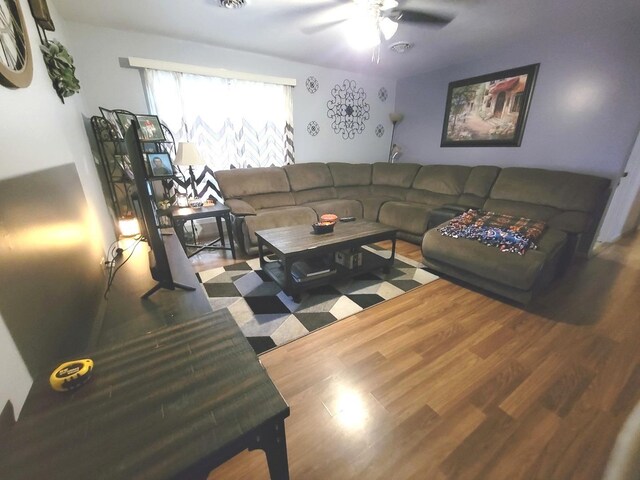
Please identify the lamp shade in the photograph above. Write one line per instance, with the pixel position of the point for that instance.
(396, 117)
(188, 155)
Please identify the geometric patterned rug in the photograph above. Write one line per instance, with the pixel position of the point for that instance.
(270, 318)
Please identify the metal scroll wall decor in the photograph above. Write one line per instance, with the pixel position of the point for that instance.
(379, 130)
(348, 109)
(313, 128)
(383, 94)
(312, 84)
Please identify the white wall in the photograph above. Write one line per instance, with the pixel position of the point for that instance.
(98, 51)
(37, 132)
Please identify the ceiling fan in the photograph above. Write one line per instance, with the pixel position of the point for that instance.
(372, 20)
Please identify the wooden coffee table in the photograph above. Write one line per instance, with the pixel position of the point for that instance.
(299, 243)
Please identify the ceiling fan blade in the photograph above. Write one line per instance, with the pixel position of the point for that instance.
(415, 16)
(321, 27)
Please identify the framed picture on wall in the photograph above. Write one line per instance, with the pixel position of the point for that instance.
(150, 129)
(159, 165)
(489, 110)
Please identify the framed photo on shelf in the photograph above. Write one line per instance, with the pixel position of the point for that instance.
(489, 110)
(112, 120)
(150, 129)
(159, 165)
(125, 119)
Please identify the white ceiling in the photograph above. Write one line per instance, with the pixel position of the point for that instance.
(275, 27)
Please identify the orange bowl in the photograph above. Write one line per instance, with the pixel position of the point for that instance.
(329, 217)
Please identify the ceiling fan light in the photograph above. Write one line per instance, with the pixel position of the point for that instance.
(388, 5)
(363, 34)
(388, 27)
(232, 3)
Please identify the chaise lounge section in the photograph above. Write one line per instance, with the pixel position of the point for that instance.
(410, 196)
(570, 204)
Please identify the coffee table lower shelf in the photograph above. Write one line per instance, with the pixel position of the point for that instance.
(292, 287)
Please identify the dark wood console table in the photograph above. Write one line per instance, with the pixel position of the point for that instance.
(171, 396)
(171, 404)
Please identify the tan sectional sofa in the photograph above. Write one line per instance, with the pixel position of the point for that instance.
(404, 195)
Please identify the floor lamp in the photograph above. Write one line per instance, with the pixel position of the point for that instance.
(395, 118)
(188, 156)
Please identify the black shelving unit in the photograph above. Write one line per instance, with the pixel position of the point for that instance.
(117, 176)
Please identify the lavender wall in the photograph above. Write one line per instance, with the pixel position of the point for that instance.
(585, 110)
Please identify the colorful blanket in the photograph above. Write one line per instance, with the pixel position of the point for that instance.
(507, 233)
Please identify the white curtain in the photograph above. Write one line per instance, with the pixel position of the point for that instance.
(234, 123)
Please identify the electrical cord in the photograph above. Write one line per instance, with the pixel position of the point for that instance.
(111, 263)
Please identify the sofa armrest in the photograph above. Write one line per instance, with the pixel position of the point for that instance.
(240, 208)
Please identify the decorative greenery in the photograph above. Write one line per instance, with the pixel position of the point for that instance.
(61, 69)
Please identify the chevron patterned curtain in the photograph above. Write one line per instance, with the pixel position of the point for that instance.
(234, 123)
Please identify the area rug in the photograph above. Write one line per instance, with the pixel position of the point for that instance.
(270, 318)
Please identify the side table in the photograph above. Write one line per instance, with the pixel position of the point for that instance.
(181, 215)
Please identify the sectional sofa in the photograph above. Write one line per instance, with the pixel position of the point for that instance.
(406, 195)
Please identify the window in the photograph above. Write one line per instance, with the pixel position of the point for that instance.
(234, 123)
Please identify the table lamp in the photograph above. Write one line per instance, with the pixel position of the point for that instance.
(188, 156)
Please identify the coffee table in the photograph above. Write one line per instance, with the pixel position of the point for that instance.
(299, 243)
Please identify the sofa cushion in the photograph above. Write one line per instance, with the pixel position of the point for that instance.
(399, 193)
(348, 174)
(521, 209)
(480, 180)
(444, 179)
(241, 182)
(430, 198)
(305, 176)
(277, 217)
(313, 195)
(371, 206)
(269, 200)
(408, 217)
(342, 207)
(519, 271)
(394, 174)
(561, 190)
(354, 191)
(572, 222)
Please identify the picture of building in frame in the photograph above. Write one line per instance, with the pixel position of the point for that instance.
(490, 110)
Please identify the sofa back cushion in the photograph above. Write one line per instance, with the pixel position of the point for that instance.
(394, 174)
(305, 176)
(568, 201)
(557, 189)
(388, 191)
(350, 174)
(444, 179)
(243, 182)
(270, 200)
(314, 195)
(478, 185)
(355, 191)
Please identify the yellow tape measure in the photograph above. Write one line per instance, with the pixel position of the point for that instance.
(71, 375)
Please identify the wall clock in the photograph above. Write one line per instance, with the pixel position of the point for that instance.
(16, 67)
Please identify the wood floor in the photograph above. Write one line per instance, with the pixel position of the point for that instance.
(448, 383)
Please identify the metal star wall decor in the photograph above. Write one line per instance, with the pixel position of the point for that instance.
(348, 109)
